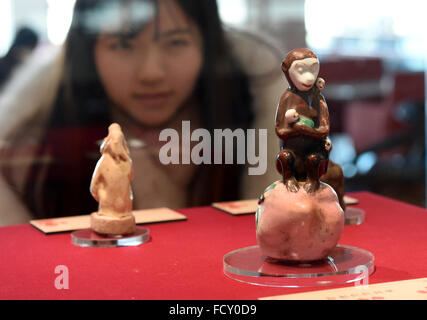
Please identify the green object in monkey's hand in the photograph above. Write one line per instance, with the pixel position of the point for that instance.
(306, 121)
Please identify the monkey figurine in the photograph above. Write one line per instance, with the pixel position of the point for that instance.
(111, 186)
(302, 123)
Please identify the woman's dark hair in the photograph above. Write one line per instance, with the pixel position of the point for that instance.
(25, 39)
(81, 113)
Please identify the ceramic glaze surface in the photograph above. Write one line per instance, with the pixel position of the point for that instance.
(301, 218)
(299, 226)
(110, 186)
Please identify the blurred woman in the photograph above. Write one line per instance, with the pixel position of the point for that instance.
(147, 65)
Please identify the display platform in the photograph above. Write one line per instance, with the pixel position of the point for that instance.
(344, 264)
(353, 216)
(184, 259)
(89, 238)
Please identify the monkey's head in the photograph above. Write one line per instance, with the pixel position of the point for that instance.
(115, 144)
(301, 68)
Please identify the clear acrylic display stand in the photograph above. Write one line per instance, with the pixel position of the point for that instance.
(354, 216)
(345, 264)
(89, 238)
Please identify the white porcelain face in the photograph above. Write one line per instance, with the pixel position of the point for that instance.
(303, 73)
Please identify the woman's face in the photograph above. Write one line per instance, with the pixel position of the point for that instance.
(150, 76)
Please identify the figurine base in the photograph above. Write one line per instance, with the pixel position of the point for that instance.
(354, 216)
(345, 264)
(104, 224)
(89, 238)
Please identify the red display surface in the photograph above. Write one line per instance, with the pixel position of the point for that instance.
(183, 260)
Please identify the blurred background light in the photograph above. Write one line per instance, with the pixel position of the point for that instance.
(6, 35)
(58, 20)
(366, 161)
(233, 12)
(366, 27)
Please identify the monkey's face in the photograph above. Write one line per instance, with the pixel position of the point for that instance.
(303, 73)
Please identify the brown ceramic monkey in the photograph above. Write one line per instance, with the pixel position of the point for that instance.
(302, 123)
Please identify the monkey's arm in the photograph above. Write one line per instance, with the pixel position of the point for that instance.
(97, 179)
(94, 187)
(323, 129)
(282, 127)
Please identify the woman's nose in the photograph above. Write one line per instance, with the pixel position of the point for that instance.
(151, 67)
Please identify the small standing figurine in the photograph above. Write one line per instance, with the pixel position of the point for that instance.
(299, 218)
(110, 186)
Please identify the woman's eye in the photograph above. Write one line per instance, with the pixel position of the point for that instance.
(121, 45)
(175, 43)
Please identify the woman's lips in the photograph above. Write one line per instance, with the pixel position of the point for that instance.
(152, 99)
